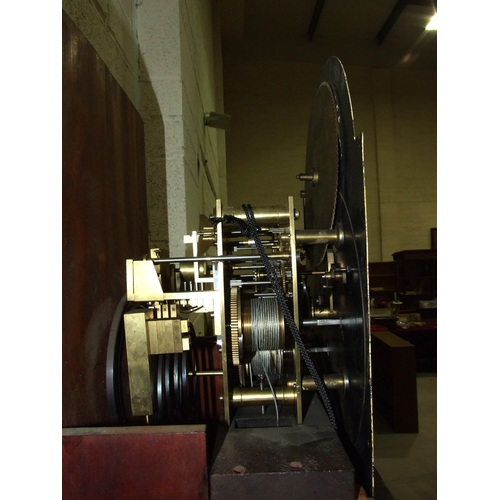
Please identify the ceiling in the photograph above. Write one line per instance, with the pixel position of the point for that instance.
(369, 33)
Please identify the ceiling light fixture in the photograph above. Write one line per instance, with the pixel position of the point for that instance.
(432, 23)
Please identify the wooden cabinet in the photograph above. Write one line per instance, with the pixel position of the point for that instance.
(417, 271)
(383, 284)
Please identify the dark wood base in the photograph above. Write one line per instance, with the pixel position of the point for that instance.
(127, 463)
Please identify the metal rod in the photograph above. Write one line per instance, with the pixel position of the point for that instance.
(332, 381)
(317, 237)
(219, 258)
(319, 322)
(238, 267)
(253, 396)
(206, 373)
(265, 215)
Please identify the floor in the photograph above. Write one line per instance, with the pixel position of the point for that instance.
(407, 463)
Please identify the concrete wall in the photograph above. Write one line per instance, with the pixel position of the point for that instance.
(408, 177)
(166, 54)
(270, 97)
(202, 92)
(111, 27)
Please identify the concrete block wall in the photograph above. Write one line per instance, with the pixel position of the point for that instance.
(201, 63)
(161, 109)
(180, 58)
(396, 111)
(270, 98)
(111, 27)
(166, 55)
(408, 190)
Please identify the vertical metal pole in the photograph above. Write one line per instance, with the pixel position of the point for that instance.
(220, 318)
(295, 291)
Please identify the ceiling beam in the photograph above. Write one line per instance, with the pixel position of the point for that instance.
(424, 3)
(315, 18)
(396, 12)
(390, 21)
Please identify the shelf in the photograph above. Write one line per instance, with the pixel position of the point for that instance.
(417, 271)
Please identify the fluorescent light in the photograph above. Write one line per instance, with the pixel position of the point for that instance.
(432, 23)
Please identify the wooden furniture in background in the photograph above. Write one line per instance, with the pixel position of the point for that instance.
(383, 283)
(417, 271)
(394, 380)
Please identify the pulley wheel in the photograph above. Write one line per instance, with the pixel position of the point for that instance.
(335, 157)
(322, 165)
(116, 370)
(159, 388)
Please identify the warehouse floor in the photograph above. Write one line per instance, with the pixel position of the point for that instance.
(407, 463)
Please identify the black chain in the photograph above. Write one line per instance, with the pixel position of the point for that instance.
(252, 231)
(231, 219)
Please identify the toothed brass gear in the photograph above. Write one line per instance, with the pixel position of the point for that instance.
(236, 331)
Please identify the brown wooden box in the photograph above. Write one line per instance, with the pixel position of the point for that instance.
(394, 380)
